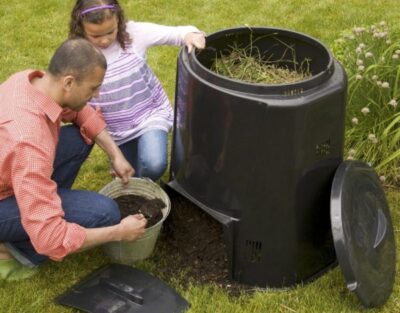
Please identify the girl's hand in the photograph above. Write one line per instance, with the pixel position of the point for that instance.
(195, 40)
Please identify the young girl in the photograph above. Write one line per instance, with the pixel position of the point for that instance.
(132, 100)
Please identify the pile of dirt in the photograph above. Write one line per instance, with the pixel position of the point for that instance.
(191, 242)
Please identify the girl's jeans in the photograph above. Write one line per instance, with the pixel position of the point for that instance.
(86, 208)
(148, 153)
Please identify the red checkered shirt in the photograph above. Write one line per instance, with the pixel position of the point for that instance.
(29, 129)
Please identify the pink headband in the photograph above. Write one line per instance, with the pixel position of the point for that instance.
(99, 7)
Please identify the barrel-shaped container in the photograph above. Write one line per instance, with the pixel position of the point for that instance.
(260, 158)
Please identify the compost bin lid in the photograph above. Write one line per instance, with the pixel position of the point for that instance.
(363, 232)
(118, 288)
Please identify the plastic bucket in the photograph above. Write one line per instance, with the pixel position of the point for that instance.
(128, 252)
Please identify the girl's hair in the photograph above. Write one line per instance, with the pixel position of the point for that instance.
(97, 17)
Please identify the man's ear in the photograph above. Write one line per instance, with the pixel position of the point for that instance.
(68, 82)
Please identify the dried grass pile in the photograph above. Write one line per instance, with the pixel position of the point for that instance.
(247, 64)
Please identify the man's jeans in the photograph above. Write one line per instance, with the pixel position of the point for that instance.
(86, 208)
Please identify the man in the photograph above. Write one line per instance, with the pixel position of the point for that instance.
(40, 216)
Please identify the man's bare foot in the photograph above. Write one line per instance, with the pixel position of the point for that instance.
(4, 254)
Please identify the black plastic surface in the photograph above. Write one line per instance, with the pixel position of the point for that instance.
(363, 233)
(262, 156)
(270, 44)
(119, 288)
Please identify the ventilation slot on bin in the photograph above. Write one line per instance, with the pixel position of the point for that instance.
(253, 251)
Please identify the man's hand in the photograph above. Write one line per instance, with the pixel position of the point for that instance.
(121, 168)
(195, 40)
(132, 227)
(129, 229)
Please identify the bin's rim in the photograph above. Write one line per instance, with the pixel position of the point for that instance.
(138, 180)
(278, 89)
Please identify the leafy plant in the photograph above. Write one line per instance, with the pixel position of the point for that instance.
(371, 57)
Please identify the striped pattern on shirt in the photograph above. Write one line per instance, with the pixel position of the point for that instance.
(132, 99)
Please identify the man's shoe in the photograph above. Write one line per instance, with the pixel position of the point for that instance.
(12, 270)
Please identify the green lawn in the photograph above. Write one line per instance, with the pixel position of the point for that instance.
(31, 30)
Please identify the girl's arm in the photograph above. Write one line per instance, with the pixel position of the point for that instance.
(145, 35)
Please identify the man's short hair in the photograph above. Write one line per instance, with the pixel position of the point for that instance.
(76, 57)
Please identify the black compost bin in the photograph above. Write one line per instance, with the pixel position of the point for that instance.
(261, 158)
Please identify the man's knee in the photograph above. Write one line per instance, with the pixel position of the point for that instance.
(72, 143)
(108, 211)
(89, 209)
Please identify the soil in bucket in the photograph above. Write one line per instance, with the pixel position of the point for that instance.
(134, 204)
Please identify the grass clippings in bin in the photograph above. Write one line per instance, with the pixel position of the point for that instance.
(247, 64)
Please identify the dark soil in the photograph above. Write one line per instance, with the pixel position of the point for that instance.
(190, 246)
(133, 204)
(191, 243)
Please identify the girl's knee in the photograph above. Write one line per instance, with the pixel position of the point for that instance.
(153, 168)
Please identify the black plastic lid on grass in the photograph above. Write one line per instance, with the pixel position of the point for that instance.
(118, 288)
(363, 233)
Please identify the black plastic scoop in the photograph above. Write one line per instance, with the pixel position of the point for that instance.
(118, 288)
